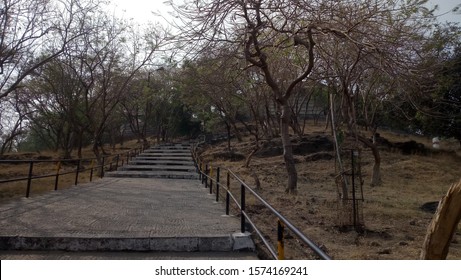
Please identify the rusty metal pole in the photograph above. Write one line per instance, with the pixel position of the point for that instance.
(56, 181)
(77, 172)
(205, 179)
(217, 183)
(211, 179)
(242, 208)
(102, 167)
(29, 178)
(227, 193)
(91, 170)
(280, 244)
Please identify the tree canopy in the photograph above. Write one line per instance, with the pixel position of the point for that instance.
(72, 74)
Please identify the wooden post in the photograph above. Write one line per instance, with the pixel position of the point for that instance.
(441, 229)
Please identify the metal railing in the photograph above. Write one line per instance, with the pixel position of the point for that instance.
(111, 161)
(206, 176)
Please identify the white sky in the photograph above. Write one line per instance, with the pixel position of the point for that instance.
(142, 10)
(446, 6)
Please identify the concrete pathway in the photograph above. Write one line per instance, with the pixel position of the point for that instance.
(122, 214)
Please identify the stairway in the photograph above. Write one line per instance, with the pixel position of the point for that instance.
(168, 161)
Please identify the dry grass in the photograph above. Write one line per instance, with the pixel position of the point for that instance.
(395, 226)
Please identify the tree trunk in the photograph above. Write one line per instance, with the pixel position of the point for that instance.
(272, 125)
(80, 143)
(228, 128)
(250, 156)
(292, 186)
(236, 130)
(98, 156)
(376, 176)
(440, 231)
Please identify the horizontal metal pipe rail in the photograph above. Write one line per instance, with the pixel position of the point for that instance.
(285, 221)
(204, 175)
(30, 177)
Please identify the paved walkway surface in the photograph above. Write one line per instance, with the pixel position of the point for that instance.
(121, 214)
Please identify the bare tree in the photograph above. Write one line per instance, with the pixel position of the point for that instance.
(82, 87)
(32, 33)
(267, 37)
(12, 125)
(105, 61)
(384, 40)
(271, 34)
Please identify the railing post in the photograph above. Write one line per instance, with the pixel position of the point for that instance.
(77, 172)
(242, 208)
(280, 244)
(217, 183)
(211, 179)
(227, 193)
(91, 170)
(56, 181)
(205, 179)
(116, 164)
(202, 170)
(102, 167)
(29, 178)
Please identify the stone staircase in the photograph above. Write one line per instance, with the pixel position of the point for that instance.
(153, 204)
(169, 161)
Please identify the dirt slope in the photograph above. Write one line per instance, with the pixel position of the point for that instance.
(394, 223)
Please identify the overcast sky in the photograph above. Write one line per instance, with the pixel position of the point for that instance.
(142, 10)
(445, 6)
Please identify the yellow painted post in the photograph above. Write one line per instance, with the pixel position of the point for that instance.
(280, 245)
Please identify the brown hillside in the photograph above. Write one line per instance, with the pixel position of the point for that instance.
(395, 224)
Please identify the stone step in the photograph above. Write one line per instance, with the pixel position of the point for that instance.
(223, 243)
(161, 162)
(152, 174)
(172, 146)
(166, 161)
(169, 149)
(131, 167)
(124, 255)
(166, 154)
(163, 149)
(177, 158)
